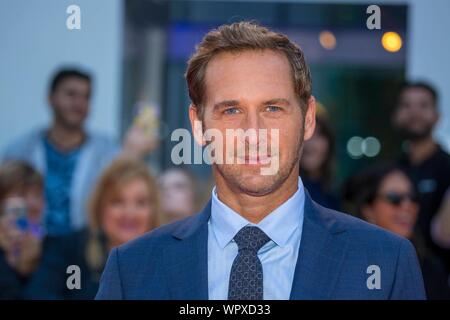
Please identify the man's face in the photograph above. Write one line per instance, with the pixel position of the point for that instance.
(70, 102)
(416, 114)
(254, 90)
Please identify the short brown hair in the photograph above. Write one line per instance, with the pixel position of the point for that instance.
(242, 36)
(18, 176)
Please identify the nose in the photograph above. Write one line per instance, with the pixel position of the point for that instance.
(129, 209)
(80, 100)
(253, 123)
(408, 205)
(252, 120)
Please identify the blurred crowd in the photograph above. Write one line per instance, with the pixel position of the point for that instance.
(69, 195)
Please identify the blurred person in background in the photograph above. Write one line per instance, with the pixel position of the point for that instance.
(68, 155)
(123, 206)
(317, 162)
(385, 196)
(21, 232)
(426, 163)
(440, 226)
(178, 189)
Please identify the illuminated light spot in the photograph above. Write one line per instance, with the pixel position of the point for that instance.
(354, 147)
(371, 147)
(327, 40)
(391, 41)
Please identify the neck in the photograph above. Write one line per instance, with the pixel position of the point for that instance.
(421, 150)
(65, 138)
(256, 208)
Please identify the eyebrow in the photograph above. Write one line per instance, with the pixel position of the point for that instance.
(277, 101)
(231, 103)
(226, 103)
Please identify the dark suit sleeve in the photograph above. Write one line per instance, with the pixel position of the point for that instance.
(110, 283)
(408, 283)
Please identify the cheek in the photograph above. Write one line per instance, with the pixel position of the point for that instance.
(383, 215)
(36, 207)
(287, 127)
(402, 115)
(175, 195)
(144, 217)
(109, 219)
(430, 115)
(63, 102)
(290, 139)
(414, 211)
(322, 146)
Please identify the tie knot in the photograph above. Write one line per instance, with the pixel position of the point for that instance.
(251, 238)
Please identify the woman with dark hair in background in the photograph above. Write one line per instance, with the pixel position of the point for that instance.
(123, 206)
(317, 163)
(21, 232)
(385, 196)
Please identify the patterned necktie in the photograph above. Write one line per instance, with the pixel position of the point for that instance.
(246, 277)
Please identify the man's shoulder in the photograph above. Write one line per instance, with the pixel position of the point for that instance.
(21, 145)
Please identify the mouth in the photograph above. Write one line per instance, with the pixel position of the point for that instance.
(128, 226)
(255, 160)
(405, 222)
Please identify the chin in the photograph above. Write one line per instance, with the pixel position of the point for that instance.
(256, 184)
(248, 179)
(129, 237)
(257, 189)
(403, 232)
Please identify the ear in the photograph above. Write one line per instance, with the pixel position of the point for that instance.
(437, 117)
(196, 125)
(310, 118)
(50, 100)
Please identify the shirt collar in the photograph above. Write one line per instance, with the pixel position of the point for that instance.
(279, 225)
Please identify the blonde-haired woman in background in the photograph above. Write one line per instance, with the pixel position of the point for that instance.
(123, 206)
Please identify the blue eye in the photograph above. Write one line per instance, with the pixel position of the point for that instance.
(231, 111)
(273, 108)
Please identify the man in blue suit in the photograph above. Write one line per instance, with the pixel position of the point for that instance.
(260, 236)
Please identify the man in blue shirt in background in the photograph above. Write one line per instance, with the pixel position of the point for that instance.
(68, 155)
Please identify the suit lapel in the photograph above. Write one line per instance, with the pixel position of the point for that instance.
(187, 259)
(321, 254)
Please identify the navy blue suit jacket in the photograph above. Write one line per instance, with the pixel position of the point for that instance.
(335, 253)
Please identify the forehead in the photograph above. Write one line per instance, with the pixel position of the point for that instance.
(74, 83)
(130, 186)
(416, 93)
(173, 176)
(396, 180)
(249, 74)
